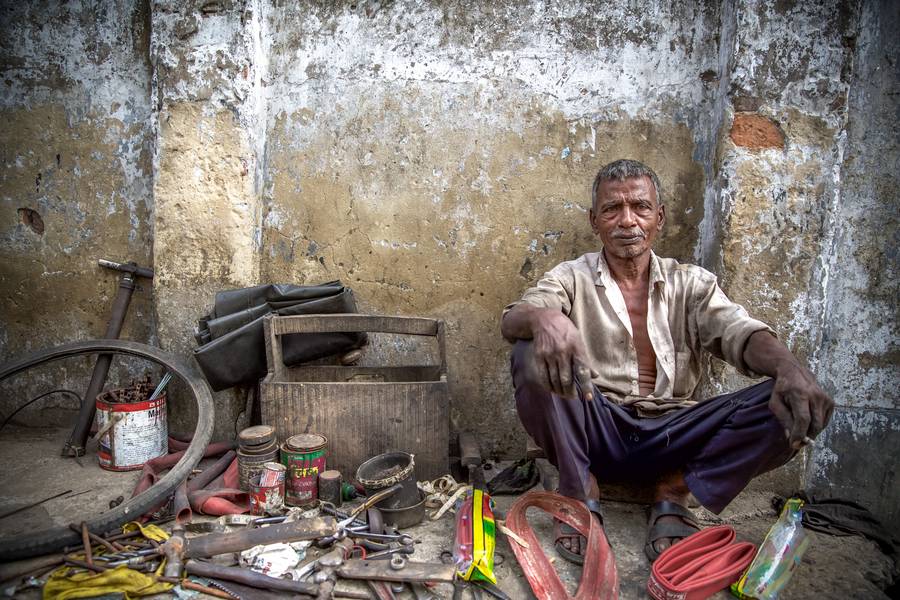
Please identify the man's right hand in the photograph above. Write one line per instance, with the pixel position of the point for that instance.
(556, 346)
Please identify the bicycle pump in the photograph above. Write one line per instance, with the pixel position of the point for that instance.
(130, 271)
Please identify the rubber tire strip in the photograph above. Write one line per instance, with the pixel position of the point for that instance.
(55, 538)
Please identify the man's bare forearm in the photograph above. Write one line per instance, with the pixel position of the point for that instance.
(518, 324)
(766, 354)
(797, 400)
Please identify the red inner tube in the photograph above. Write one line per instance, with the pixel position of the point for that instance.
(599, 579)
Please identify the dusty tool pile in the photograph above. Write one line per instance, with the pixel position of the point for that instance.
(260, 546)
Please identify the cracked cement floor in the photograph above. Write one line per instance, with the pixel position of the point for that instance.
(833, 567)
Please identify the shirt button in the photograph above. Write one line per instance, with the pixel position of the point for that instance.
(633, 382)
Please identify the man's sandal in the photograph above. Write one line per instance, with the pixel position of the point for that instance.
(660, 531)
(564, 531)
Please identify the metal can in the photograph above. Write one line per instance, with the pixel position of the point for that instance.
(265, 499)
(256, 447)
(135, 432)
(273, 473)
(304, 457)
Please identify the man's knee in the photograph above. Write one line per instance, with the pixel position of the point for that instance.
(523, 365)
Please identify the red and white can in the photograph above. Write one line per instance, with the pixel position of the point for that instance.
(265, 499)
(272, 473)
(135, 432)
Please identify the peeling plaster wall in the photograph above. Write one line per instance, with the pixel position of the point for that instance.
(859, 358)
(76, 149)
(437, 157)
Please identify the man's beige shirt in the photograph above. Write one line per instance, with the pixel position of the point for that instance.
(687, 314)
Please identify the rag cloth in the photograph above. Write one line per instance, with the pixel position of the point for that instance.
(67, 582)
(840, 517)
(517, 478)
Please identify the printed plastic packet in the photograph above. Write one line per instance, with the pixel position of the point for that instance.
(476, 534)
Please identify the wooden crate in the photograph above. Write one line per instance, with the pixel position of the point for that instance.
(363, 411)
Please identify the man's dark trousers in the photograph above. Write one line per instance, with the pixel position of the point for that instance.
(720, 444)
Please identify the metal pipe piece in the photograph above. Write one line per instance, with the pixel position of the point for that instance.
(251, 578)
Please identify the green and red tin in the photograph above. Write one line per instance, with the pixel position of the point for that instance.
(304, 457)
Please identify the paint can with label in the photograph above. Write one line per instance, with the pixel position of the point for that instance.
(266, 496)
(133, 433)
(304, 457)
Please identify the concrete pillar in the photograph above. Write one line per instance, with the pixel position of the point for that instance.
(206, 197)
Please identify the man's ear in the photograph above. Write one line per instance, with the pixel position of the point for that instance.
(662, 217)
(591, 219)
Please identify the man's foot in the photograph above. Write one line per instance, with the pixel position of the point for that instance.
(570, 544)
(669, 523)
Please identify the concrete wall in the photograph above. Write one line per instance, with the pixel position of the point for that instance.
(77, 150)
(437, 157)
(858, 355)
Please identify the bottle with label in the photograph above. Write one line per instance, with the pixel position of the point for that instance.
(777, 558)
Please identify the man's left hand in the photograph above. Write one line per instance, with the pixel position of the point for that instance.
(798, 402)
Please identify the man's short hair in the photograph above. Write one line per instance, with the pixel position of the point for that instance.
(623, 169)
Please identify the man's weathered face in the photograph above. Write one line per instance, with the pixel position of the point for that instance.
(627, 217)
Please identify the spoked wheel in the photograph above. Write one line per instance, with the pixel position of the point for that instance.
(55, 538)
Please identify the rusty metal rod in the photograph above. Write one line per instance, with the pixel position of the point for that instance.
(294, 531)
(80, 563)
(123, 536)
(251, 578)
(86, 540)
(211, 591)
(111, 546)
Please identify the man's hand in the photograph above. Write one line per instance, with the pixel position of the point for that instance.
(560, 355)
(798, 402)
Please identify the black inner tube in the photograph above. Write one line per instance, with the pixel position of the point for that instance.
(55, 538)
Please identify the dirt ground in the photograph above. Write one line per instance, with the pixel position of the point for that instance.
(840, 568)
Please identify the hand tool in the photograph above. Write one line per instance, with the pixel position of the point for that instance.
(391, 552)
(410, 572)
(402, 538)
(345, 524)
(251, 578)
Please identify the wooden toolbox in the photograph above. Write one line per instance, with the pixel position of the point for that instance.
(362, 410)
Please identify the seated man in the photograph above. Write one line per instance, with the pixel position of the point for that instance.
(607, 357)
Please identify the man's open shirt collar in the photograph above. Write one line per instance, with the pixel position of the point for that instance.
(604, 276)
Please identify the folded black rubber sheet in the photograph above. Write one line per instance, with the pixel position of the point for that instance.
(232, 343)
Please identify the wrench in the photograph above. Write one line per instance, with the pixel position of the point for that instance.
(403, 538)
(390, 551)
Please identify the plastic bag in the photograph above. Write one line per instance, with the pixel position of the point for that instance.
(777, 558)
(473, 550)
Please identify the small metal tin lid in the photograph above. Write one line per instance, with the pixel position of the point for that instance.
(258, 451)
(274, 466)
(306, 442)
(257, 435)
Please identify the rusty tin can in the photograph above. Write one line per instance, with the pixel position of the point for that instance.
(304, 457)
(266, 499)
(256, 447)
